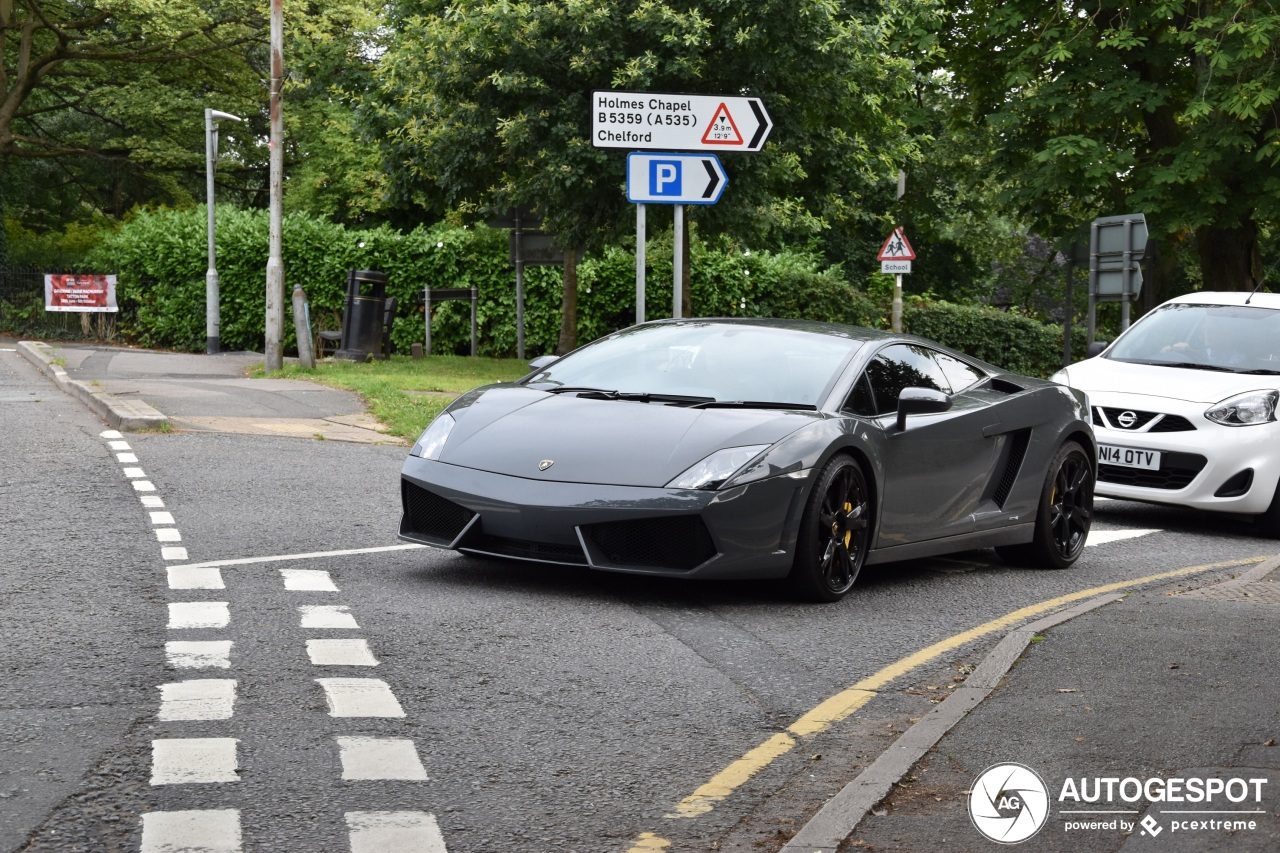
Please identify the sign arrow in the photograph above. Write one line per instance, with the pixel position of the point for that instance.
(669, 178)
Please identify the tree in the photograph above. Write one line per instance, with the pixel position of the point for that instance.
(1099, 107)
(486, 105)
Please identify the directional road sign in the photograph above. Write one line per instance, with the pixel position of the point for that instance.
(678, 122)
(674, 178)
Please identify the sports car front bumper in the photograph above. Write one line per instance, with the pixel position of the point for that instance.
(743, 532)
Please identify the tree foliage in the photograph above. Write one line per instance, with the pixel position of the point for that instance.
(1101, 107)
(485, 105)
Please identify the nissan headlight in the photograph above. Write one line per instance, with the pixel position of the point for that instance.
(711, 472)
(1254, 407)
(432, 440)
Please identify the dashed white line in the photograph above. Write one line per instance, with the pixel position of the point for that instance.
(198, 614)
(198, 699)
(134, 473)
(197, 760)
(371, 758)
(143, 486)
(119, 445)
(326, 616)
(123, 458)
(152, 501)
(212, 831)
(360, 697)
(380, 832)
(311, 555)
(173, 552)
(189, 577)
(168, 534)
(307, 580)
(198, 654)
(162, 518)
(340, 653)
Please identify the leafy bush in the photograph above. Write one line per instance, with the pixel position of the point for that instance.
(1012, 341)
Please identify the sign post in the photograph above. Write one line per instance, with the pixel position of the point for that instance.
(895, 257)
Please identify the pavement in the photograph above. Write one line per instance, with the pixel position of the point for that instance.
(1145, 721)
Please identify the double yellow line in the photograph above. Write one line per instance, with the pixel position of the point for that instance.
(840, 706)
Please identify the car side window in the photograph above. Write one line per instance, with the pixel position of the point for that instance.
(861, 401)
(903, 366)
(960, 374)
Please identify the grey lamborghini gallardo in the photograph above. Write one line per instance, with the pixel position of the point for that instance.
(725, 448)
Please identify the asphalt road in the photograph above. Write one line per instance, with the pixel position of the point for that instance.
(548, 709)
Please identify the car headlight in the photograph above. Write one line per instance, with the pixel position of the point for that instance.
(711, 472)
(432, 440)
(1254, 407)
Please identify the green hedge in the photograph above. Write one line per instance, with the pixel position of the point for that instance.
(160, 258)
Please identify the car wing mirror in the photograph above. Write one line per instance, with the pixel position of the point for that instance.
(542, 361)
(920, 401)
(1095, 349)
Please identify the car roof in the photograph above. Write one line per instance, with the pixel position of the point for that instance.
(839, 330)
(1231, 297)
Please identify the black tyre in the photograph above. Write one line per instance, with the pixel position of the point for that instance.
(1268, 523)
(835, 533)
(1063, 516)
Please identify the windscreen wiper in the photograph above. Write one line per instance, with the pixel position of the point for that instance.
(1189, 365)
(754, 404)
(635, 396)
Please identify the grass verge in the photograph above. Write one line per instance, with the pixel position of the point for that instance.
(406, 393)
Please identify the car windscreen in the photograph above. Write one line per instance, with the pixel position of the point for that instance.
(1240, 338)
(715, 361)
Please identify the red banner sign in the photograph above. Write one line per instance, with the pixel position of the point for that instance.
(80, 293)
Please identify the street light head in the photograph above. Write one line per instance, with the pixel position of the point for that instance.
(219, 114)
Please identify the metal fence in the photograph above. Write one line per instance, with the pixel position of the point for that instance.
(22, 310)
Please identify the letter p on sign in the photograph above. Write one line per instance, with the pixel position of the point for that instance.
(664, 177)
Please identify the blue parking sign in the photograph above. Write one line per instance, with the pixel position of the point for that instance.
(664, 178)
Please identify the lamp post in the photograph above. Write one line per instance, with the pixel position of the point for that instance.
(212, 317)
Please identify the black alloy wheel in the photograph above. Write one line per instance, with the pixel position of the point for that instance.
(835, 533)
(1064, 513)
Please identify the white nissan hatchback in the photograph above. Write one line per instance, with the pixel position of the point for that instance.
(1184, 406)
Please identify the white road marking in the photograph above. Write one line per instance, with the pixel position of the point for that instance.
(359, 697)
(194, 577)
(143, 486)
(340, 653)
(162, 518)
(152, 502)
(214, 831)
(370, 758)
(168, 534)
(198, 654)
(307, 580)
(1101, 537)
(134, 472)
(173, 552)
(326, 616)
(188, 761)
(110, 433)
(126, 457)
(312, 555)
(199, 614)
(394, 832)
(119, 445)
(198, 699)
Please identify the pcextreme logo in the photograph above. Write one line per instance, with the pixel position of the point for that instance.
(1009, 803)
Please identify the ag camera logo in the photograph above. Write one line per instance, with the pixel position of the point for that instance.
(1009, 803)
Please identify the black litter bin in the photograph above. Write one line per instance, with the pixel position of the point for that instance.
(362, 319)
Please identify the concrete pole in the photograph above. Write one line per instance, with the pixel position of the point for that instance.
(275, 261)
(212, 310)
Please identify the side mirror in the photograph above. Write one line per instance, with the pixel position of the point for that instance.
(1095, 349)
(920, 401)
(542, 361)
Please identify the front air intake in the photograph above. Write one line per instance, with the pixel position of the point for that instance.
(678, 543)
(429, 517)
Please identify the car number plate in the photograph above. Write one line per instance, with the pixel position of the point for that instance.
(1129, 457)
